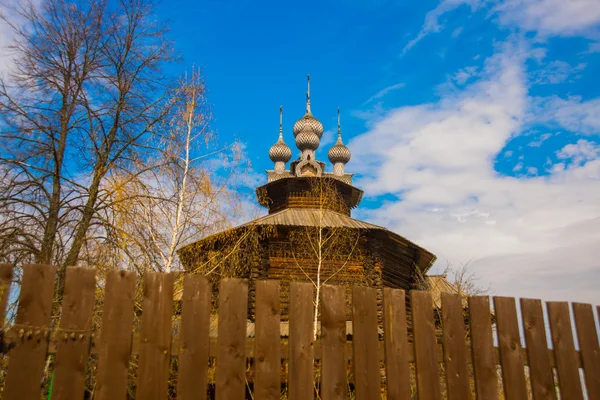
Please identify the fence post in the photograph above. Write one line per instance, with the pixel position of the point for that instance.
(540, 369)
(564, 351)
(333, 337)
(482, 346)
(27, 360)
(75, 334)
(114, 347)
(365, 342)
(267, 336)
(194, 339)
(509, 343)
(155, 337)
(231, 358)
(455, 347)
(301, 341)
(426, 360)
(588, 344)
(397, 351)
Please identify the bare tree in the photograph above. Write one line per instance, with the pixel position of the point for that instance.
(80, 105)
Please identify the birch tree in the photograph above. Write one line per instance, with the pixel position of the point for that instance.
(324, 253)
(183, 198)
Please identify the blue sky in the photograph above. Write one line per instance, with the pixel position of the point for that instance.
(474, 125)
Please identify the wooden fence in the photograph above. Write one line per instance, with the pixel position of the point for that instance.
(453, 356)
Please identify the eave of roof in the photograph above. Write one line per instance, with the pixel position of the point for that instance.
(327, 218)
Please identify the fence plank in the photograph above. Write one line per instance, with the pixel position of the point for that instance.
(588, 344)
(482, 345)
(155, 336)
(509, 345)
(564, 351)
(364, 339)
(455, 347)
(540, 368)
(5, 280)
(333, 331)
(267, 350)
(75, 334)
(26, 361)
(397, 350)
(115, 336)
(300, 379)
(426, 360)
(231, 359)
(194, 345)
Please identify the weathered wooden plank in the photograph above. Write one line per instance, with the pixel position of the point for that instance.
(397, 350)
(194, 340)
(333, 331)
(75, 334)
(114, 346)
(300, 379)
(482, 346)
(540, 368)
(564, 351)
(155, 336)
(231, 359)
(588, 344)
(27, 360)
(509, 344)
(267, 353)
(364, 339)
(426, 360)
(455, 347)
(5, 280)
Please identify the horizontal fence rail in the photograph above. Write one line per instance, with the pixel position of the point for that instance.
(149, 345)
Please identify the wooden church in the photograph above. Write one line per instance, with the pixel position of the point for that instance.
(309, 233)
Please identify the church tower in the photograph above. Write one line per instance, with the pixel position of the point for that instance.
(309, 233)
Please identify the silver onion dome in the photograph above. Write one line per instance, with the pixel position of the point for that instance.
(339, 153)
(307, 140)
(308, 122)
(280, 152)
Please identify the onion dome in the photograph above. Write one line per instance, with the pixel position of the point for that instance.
(308, 121)
(280, 152)
(307, 140)
(339, 153)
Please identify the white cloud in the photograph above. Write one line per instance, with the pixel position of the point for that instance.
(528, 236)
(571, 113)
(385, 91)
(545, 17)
(463, 75)
(432, 23)
(541, 139)
(580, 153)
(550, 17)
(556, 72)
